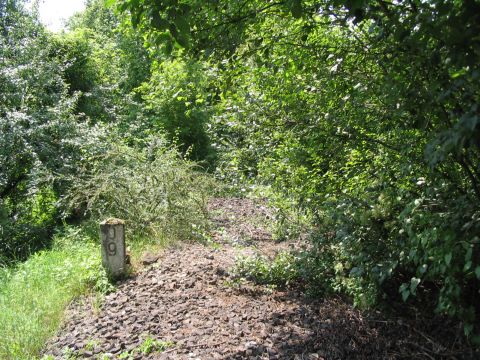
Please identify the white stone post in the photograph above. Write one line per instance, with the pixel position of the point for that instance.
(112, 236)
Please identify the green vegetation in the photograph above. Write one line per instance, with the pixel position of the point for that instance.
(34, 294)
(75, 148)
(148, 346)
(158, 194)
(281, 271)
(363, 116)
(356, 119)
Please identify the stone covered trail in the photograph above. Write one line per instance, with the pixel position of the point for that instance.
(189, 299)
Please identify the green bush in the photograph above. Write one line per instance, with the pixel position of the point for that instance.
(281, 271)
(421, 246)
(160, 195)
(32, 227)
(177, 102)
(41, 140)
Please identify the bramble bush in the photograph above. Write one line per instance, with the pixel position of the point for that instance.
(159, 194)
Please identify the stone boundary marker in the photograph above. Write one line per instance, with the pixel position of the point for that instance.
(112, 236)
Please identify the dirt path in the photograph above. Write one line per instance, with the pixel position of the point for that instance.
(189, 302)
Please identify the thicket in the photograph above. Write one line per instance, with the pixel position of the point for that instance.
(364, 114)
(359, 117)
(41, 138)
(79, 144)
(86, 108)
(159, 194)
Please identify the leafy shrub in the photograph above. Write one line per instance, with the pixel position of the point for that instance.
(27, 226)
(316, 270)
(41, 140)
(422, 246)
(281, 271)
(177, 103)
(443, 235)
(157, 193)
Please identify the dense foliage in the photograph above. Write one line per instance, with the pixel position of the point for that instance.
(78, 143)
(365, 113)
(359, 117)
(41, 139)
(151, 189)
(71, 99)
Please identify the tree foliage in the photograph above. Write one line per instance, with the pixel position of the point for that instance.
(40, 140)
(176, 101)
(364, 112)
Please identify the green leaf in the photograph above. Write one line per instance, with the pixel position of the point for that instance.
(182, 40)
(158, 22)
(468, 255)
(404, 291)
(477, 272)
(467, 329)
(448, 258)
(458, 73)
(182, 25)
(296, 9)
(467, 266)
(135, 19)
(163, 37)
(168, 48)
(413, 284)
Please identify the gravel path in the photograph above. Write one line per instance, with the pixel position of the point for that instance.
(189, 303)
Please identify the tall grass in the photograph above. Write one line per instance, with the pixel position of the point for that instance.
(34, 295)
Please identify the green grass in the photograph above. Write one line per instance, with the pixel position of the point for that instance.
(148, 346)
(35, 294)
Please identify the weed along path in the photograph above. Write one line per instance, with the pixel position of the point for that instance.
(188, 306)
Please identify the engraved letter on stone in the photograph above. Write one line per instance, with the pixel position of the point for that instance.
(112, 234)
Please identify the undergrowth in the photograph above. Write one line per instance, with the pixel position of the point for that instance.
(313, 270)
(34, 294)
(160, 195)
(162, 199)
(282, 271)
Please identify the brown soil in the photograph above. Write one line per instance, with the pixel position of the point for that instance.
(189, 298)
